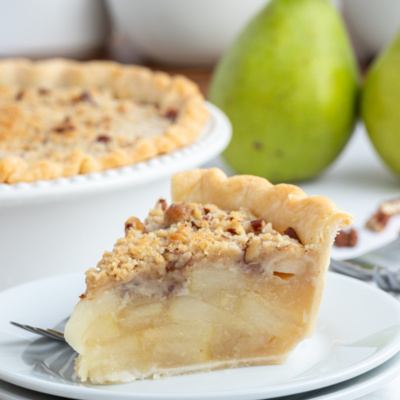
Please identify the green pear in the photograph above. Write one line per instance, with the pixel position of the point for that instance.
(380, 104)
(289, 85)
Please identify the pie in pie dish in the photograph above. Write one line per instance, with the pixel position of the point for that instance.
(59, 118)
(230, 274)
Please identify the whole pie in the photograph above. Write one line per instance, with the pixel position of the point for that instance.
(230, 274)
(60, 118)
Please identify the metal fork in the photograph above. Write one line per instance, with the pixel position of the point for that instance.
(387, 279)
(375, 265)
(48, 333)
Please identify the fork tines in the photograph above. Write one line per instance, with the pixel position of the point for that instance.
(50, 333)
(386, 279)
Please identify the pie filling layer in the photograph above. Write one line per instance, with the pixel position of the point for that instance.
(220, 315)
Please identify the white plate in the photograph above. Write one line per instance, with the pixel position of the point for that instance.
(358, 329)
(362, 385)
(347, 390)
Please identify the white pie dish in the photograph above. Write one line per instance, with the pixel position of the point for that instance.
(64, 225)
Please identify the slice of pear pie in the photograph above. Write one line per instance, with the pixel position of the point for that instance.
(230, 274)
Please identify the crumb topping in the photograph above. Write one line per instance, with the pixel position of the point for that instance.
(37, 123)
(175, 237)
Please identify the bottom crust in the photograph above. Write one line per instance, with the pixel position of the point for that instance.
(130, 376)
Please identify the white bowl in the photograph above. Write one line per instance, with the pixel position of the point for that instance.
(65, 225)
(48, 28)
(372, 24)
(181, 32)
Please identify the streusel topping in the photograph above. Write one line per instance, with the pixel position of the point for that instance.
(37, 123)
(177, 236)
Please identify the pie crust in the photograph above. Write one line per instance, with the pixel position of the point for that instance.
(59, 118)
(231, 274)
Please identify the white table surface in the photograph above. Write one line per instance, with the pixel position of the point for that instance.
(358, 182)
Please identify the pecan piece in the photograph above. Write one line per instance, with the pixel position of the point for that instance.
(252, 250)
(176, 259)
(347, 238)
(43, 91)
(258, 224)
(171, 114)
(19, 95)
(194, 225)
(291, 233)
(177, 213)
(134, 223)
(163, 204)
(378, 222)
(86, 97)
(103, 139)
(380, 219)
(65, 126)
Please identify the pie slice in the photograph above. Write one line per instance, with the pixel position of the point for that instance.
(62, 118)
(231, 274)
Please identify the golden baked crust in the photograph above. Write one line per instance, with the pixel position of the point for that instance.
(62, 118)
(316, 219)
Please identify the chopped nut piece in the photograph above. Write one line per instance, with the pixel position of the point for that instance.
(103, 139)
(381, 218)
(43, 91)
(177, 213)
(19, 95)
(346, 238)
(134, 223)
(258, 224)
(163, 204)
(233, 231)
(378, 222)
(206, 210)
(171, 114)
(65, 126)
(292, 234)
(176, 259)
(252, 250)
(194, 225)
(391, 207)
(86, 97)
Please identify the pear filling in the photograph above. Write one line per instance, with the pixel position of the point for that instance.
(211, 315)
